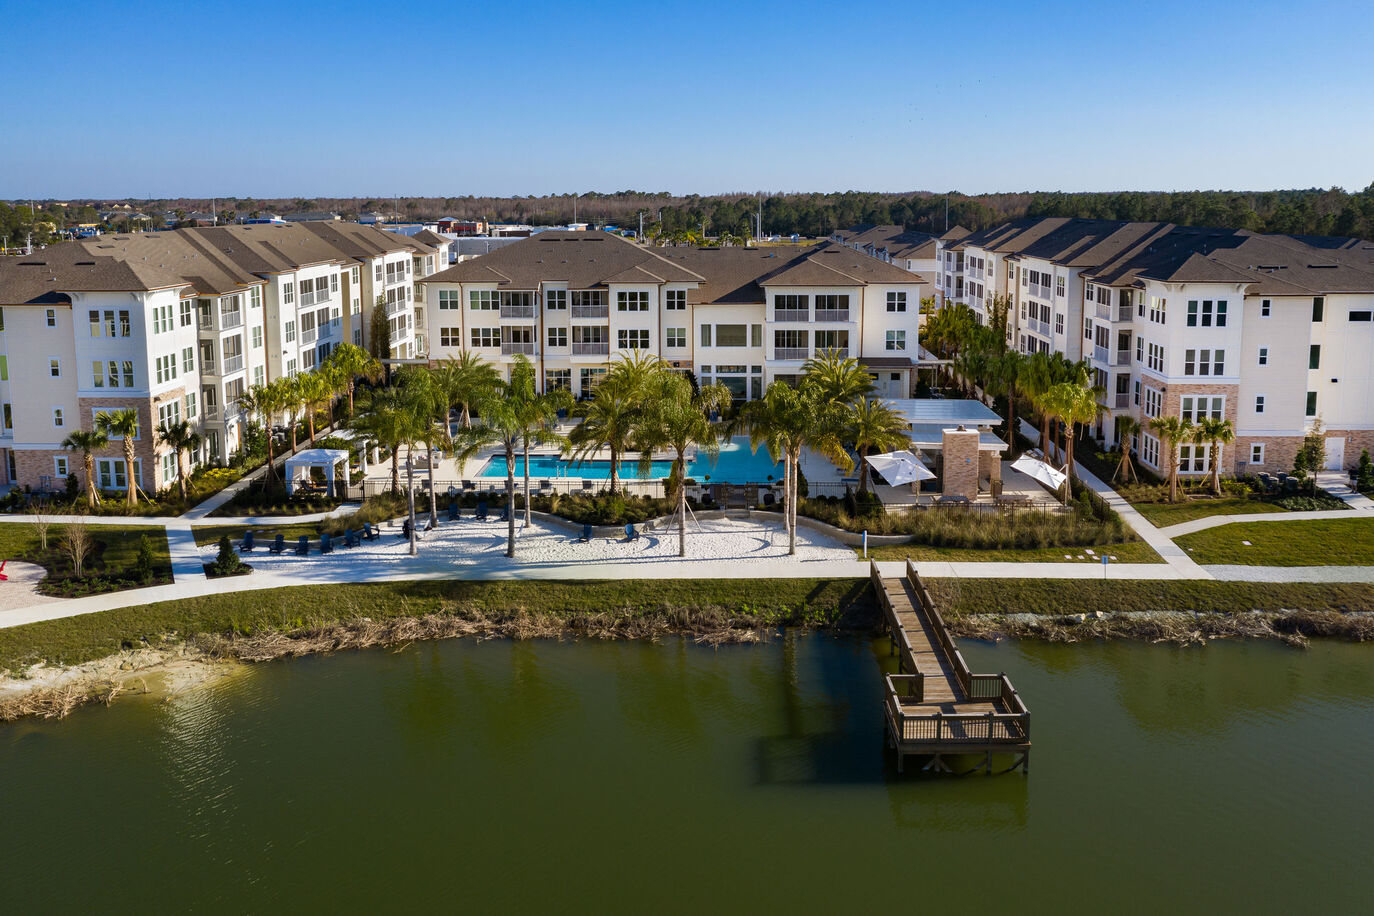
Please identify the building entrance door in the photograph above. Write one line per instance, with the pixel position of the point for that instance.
(1335, 453)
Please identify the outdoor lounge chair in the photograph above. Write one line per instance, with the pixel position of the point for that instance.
(504, 514)
(586, 484)
(247, 545)
(630, 533)
(453, 510)
(303, 547)
(467, 485)
(769, 499)
(369, 532)
(326, 543)
(586, 534)
(350, 538)
(545, 485)
(279, 544)
(481, 514)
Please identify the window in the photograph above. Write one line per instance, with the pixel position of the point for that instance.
(832, 340)
(449, 299)
(555, 300)
(1153, 401)
(451, 337)
(169, 414)
(1058, 323)
(791, 304)
(1204, 362)
(1206, 313)
(187, 312)
(290, 368)
(1259, 403)
(59, 466)
(288, 292)
(1314, 356)
(162, 319)
(1318, 306)
(357, 337)
(1264, 356)
(308, 358)
(895, 340)
(675, 300)
(1156, 358)
(4, 368)
(55, 368)
(256, 336)
(896, 302)
(1194, 459)
(1136, 399)
(98, 374)
(333, 283)
(558, 380)
(290, 331)
(483, 300)
(1264, 313)
(166, 368)
(732, 335)
(558, 337)
(377, 272)
(1158, 309)
(1360, 316)
(1087, 329)
(486, 337)
(97, 328)
(1201, 407)
(633, 338)
(110, 472)
(632, 301)
(255, 297)
(1257, 453)
(57, 419)
(1059, 287)
(1311, 403)
(191, 406)
(793, 340)
(50, 316)
(259, 375)
(675, 337)
(706, 335)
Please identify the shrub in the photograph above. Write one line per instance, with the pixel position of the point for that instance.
(227, 563)
(143, 562)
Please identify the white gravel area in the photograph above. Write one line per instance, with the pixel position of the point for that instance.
(469, 543)
(20, 590)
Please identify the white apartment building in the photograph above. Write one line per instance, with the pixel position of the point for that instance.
(178, 325)
(914, 252)
(574, 301)
(1271, 332)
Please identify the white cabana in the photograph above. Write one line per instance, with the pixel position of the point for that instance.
(898, 468)
(298, 466)
(1038, 470)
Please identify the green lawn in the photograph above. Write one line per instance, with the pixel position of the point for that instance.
(1162, 515)
(113, 553)
(1132, 552)
(1340, 541)
(753, 602)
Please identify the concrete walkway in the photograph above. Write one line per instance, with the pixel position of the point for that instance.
(1338, 485)
(1176, 557)
(1216, 521)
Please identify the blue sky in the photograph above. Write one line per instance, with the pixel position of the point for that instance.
(458, 97)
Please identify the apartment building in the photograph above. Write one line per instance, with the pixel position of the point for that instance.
(1269, 331)
(915, 252)
(178, 325)
(574, 301)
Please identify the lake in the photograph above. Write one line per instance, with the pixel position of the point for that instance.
(629, 777)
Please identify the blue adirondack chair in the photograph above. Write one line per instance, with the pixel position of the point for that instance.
(350, 538)
(326, 543)
(370, 531)
(303, 546)
(586, 534)
(630, 533)
(279, 544)
(481, 515)
(247, 545)
(453, 510)
(504, 516)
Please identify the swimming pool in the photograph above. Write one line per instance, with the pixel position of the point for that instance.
(735, 464)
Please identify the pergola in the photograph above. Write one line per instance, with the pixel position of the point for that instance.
(298, 466)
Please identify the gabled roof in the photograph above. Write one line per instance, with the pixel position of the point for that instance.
(582, 259)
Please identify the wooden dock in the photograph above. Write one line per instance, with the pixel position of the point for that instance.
(936, 708)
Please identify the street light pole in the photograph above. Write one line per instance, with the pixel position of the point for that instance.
(410, 492)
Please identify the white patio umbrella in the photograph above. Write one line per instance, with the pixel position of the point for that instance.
(1040, 471)
(898, 468)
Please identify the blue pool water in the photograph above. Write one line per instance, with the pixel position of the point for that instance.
(735, 464)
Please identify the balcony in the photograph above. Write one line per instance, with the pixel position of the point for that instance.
(1102, 355)
(1039, 327)
(229, 320)
(513, 347)
(602, 348)
(792, 315)
(1104, 311)
(1123, 312)
(790, 353)
(397, 307)
(832, 314)
(1123, 358)
(591, 311)
(308, 336)
(314, 296)
(207, 365)
(1123, 399)
(396, 279)
(517, 311)
(210, 412)
(233, 364)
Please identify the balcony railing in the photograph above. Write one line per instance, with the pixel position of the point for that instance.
(841, 352)
(1124, 313)
(1123, 358)
(1040, 327)
(790, 353)
(1104, 311)
(230, 320)
(207, 365)
(1102, 355)
(511, 348)
(395, 279)
(802, 315)
(1123, 399)
(396, 307)
(602, 348)
(210, 412)
(308, 335)
(233, 364)
(832, 314)
(517, 311)
(591, 311)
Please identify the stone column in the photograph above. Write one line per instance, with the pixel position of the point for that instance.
(960, 462)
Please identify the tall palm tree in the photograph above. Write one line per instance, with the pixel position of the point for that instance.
(1173, 431)
(1127, 427)
(839, 379)
(1004, 380)
(292, 402)
(117, 424)
(391, 421)
(1075, 404)
(608, 422)
(1215, 433)
(538, 415)
(316, 392)
(874, 426)
(675, 418)
(182, 437)
(1037, 378)
(633, 373)
(88, 442)
(467, 380)
(265, 401)
(348, 363)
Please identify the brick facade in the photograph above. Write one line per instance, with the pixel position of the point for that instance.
(960, 448)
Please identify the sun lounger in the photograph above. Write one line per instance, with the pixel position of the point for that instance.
(586, 534)
(303, 547)
(326, 543)
(370, 532)
(630, 533)
(453, 510)
(586, 484)
(350, 538)
(545, 485)
(504, 515)
(467, 485)
(279, 544)
(481, 514)
(247, 545)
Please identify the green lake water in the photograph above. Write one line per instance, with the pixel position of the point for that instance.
(603, 777)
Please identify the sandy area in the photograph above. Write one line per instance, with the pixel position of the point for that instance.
(22, 588)
(468, 542)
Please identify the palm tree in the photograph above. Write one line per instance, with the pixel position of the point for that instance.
(87, 442)
(467, 380)
(608, 422)
(1075, 404)
(123, 424)
(348, 363)
(874, 426)
(839, 379)
(292, 401)
(675, 418)
(392, 421)
(265, 401)
(1127, 427)
(538, 414)
(1037, 377)
(182, 437)
(1215, 433)
(633, 373)
(1004, 380)
(316, 391)
(1173, 431)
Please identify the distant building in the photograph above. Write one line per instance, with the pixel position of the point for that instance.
(310, 216)
(461, 227)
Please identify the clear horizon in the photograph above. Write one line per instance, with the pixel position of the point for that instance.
(170, 101)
